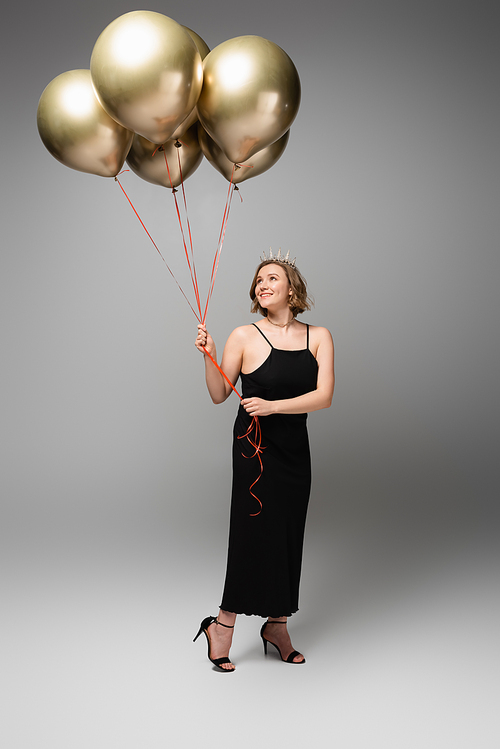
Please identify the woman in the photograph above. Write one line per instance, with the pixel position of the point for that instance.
(286, 370)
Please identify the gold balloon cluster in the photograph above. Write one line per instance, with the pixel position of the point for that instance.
(153, 82)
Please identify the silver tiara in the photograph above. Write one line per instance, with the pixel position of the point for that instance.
(279, 258)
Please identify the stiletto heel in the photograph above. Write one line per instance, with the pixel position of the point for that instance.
(292, 655)
(218, 662)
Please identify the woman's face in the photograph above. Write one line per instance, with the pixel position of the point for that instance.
(272, 288)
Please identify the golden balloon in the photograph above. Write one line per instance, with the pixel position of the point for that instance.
(252, 167)
(250, 95)
(201, 44)
(148, 161)
(147, 73)
(76, 130)
(203, 49)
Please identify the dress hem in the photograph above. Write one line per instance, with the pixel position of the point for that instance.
(254, 613)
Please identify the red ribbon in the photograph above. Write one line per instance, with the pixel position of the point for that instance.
(155, 245)
(253, 433)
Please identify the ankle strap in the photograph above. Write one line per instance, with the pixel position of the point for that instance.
(227, 626)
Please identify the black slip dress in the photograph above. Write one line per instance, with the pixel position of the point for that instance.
(265, 550)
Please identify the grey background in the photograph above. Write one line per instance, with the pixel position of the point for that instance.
(115, 465)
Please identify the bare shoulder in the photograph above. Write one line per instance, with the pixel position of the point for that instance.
(321, 343)
(320, 335)
(240, 336)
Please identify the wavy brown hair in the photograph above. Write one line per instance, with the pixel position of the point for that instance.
(299, 301)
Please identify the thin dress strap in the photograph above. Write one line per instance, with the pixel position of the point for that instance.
(262, 334)
(307, 326)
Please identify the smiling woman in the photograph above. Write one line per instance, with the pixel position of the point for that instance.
(298, 302)
(286, 370)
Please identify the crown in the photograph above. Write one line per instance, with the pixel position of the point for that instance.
(279, 258)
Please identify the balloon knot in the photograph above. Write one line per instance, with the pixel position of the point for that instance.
(173, 190)
(177, 144)
(237, 166)
(160, 148)
(236, 188)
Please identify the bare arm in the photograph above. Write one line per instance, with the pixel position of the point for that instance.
(312, 401)
(217, 386)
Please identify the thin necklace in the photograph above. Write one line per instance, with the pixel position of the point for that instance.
(280, 325)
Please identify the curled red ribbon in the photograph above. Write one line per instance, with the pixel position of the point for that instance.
(256, 442)
(253, 435)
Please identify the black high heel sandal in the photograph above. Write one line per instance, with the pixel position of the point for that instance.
(218, 662)
(292, 655)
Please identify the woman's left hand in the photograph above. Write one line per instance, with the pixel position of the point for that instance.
(258, 406)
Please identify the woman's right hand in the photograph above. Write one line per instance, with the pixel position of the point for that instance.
(204, 341)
